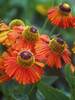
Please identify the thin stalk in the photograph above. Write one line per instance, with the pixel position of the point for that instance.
(44, 25)
(53, 29)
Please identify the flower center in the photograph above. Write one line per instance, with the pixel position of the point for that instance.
(59, 40)
(25, 55)
(16, 22)
(33, 29)
(57, 45)
(25, 58)
(65, 8)
(31, 33)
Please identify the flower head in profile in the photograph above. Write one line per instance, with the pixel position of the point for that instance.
(31, 33)
(61, 16)
(54, 53)
(23, 67)
(17, 25)
(27, 39)
(9, 37)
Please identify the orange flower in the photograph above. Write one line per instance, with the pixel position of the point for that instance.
(23, 67)
(61, 16)
(26, 39)
(29, 38)
(16, 28)
(53, 52)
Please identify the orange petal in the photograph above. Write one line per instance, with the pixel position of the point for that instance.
(40, 64)
(4, 78)
(72, 68)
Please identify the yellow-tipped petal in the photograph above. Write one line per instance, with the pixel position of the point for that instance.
(40, 64)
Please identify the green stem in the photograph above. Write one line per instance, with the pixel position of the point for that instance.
(44, 25)
(46, 21)
(32, 92)
(61, 1)
(51, 33)
(58, 34)
(53, 2)
(31, 89)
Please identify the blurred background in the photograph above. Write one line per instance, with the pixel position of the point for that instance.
(34, 12)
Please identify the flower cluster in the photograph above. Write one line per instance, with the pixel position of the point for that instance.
(27, 51)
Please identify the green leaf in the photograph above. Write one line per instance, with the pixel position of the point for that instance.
(49, 79)
(71, 80)
(13, 91)
(39, 95)
(51, 93)
(32, 92)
